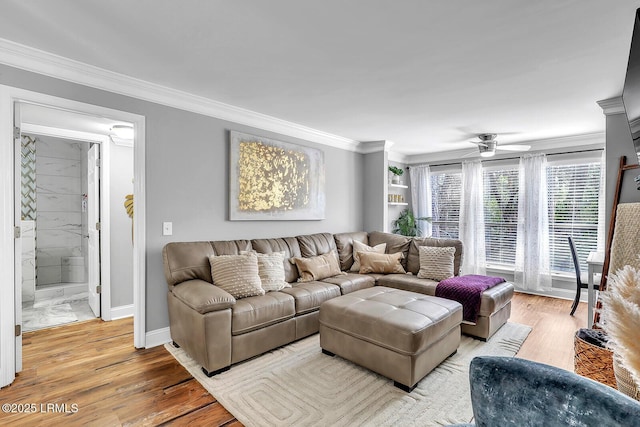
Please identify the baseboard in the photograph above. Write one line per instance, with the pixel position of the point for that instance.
(157, 337)
(122, 311)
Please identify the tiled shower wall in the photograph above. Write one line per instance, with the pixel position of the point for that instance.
(59, 212)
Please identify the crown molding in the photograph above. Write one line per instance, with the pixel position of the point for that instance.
(41, 62)
(612, 106)
(367, 147)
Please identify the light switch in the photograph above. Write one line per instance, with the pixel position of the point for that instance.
(167, 228)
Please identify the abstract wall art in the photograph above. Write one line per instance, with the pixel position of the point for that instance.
(274, 180)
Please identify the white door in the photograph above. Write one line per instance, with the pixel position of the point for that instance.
(17, 234)
(93, 221)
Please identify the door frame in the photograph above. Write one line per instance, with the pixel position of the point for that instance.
(105, 201)
(8, 96)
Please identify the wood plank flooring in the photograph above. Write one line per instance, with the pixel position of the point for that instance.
(93, 369)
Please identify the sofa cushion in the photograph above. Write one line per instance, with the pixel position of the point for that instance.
(408, 282)
(361, 247)
(317, 267)
(371, 262)
(436, 263)
(352, 282)
(231, 247)
(316, 244)
(187, 261)
(237, 274)
(413, 259)
(395, 243)
(493, 299)
(309, 295)
(344, 244)
(202, 296)
(288, 245)
(259, 312)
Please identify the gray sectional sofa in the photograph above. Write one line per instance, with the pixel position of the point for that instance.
(218, 330)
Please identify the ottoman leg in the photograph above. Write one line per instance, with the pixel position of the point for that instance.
(404, 387)
(327, 352)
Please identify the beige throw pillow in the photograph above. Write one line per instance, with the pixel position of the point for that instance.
(359, 247)
(317, 267)
(237, 274)
(271, 271)
(372, 262)
(436, 262)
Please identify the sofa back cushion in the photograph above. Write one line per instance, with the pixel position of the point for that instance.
(288, 245)
(395, 243)
(413, 260)
(344, 244)
(316, 244)
(190, 260)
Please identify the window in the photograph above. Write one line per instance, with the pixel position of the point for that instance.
(501, 215)
(573, 211)
(445, 208)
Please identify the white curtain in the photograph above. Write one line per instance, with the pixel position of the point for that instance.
(602, 202)
(472, 219)
(420, 177)
(532, 247)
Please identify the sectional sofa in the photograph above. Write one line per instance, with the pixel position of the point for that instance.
(218, 330)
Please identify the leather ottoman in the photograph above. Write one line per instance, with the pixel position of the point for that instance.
(399, 334)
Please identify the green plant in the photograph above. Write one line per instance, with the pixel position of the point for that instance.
(407, 224)
(396, 170)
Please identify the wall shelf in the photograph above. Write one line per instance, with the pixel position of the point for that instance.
(398, 204)
(398, 185)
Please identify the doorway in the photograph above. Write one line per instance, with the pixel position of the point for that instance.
(59, 201)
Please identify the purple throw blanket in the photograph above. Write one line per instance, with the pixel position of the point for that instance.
(467, 290)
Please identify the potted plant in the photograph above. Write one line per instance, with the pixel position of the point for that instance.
(397, 173)
(407, 224)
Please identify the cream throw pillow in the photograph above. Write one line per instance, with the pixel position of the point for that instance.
(436, 262)
(237, 274)
(359, 247)
(317, 267)
(372, 262)
(271, 271)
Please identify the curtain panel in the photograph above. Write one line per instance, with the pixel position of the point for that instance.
(420, 177)
(471, 223)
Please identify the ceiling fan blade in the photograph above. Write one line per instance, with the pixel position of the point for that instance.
(479, 143)
(514, 147)
(474, 153)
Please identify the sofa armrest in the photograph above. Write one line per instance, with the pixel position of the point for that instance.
(202, 296)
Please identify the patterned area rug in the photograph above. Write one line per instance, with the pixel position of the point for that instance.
(297, 385)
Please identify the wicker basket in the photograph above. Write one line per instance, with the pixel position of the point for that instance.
(625, 381)
(594, 362)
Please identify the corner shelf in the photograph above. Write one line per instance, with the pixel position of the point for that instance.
(398, 185)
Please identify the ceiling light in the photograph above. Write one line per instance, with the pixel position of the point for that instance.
(123, 131)
(487, 149)
(487, 153)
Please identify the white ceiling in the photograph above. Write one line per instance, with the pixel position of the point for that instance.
(424, 74)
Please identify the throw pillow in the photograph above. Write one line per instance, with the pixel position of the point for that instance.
(237, 274)
(436, 262)
(372, 262)
(359, 247)
(271, 271)
(317, 267)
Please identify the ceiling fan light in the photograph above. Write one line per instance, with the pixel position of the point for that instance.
(123, 131)
(487, 153)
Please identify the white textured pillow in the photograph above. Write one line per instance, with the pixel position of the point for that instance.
(361, 247)
(436, 262)
(271, 271)
(237, 274)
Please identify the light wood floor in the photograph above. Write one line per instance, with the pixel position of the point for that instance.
(95, 366)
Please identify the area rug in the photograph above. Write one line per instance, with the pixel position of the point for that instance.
(297, 385)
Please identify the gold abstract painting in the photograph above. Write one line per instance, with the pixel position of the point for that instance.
(275, 180)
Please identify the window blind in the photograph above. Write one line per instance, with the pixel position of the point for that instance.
(501, 215)
(573, 211)
(445, 204)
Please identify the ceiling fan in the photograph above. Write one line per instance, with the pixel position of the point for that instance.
(488, 145)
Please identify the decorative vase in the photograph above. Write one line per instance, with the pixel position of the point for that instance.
(395, 179)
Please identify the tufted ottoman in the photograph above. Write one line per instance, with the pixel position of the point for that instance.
(399, 334)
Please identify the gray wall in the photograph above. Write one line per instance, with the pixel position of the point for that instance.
(375, 200)
(187, 179)
(619, 143)
(121, 184)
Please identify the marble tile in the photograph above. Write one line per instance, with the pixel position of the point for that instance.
(59, 239)
(59, 220)
(59, 167)
(28, 290)
(27, 228)
(48, 275)
(48, 202)
(46, 317)
(28, 269)
(57, 148)
(28, 247)
(57, 184)
(64, 299)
